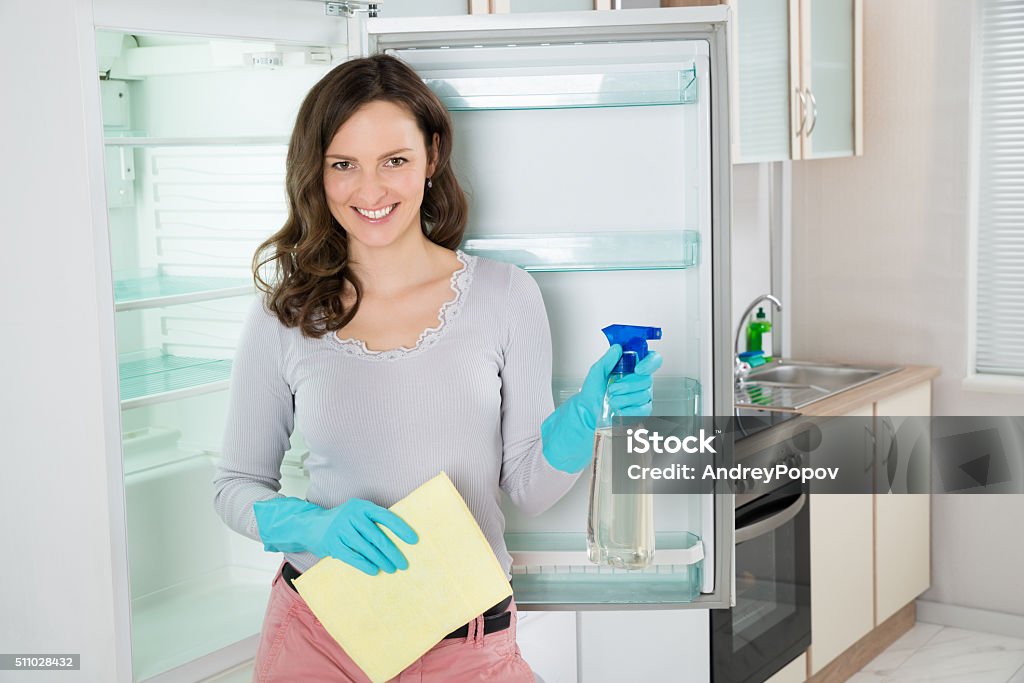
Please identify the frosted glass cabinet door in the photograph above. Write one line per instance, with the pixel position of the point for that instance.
(423, 8)
(797, 66)
(549, 5)
(829, 78)
(762, 32)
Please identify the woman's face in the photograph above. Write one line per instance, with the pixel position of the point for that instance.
(375, 170)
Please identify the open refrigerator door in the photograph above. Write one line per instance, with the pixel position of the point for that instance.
(593, 146)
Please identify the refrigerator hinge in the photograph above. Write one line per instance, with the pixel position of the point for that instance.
(351, 8)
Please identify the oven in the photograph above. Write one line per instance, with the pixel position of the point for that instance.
(770, 625)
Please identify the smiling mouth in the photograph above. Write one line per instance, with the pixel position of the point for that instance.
(375, 214)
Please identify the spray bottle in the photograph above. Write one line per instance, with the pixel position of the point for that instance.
(620, 526)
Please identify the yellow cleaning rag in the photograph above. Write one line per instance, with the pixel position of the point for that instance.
(386, 622)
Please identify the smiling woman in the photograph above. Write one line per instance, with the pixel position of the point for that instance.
(400, 357)
(368, 139)
(364, 188)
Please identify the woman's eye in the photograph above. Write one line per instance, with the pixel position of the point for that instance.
(342, 165)
(397, 161)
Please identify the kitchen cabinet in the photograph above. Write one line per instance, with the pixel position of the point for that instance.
(842, 580)
(797, 74)
(870, 552)
(521, 6)
(551, 5)
(424, 8)
(831, 65)
(902, 522)
(439, 8)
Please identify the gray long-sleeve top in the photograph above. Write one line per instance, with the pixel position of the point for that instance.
(468, 399)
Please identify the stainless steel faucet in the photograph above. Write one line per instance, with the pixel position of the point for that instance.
(739, 373)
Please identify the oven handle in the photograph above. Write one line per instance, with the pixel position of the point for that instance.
(763, 526)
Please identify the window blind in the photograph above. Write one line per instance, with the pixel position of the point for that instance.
(999, 342)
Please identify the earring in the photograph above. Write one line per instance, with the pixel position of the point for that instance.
(430, 183)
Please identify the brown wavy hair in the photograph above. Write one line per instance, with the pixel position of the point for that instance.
(310, 252)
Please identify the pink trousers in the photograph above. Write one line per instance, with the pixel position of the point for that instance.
(294, 647)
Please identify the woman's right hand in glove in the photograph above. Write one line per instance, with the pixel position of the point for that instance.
(567, 434)
(348, 532)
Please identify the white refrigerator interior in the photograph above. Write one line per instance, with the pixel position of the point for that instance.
(196, 132)
(589, 165)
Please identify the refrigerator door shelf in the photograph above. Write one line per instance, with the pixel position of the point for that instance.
(556, 252)
(565, 91)
(675, 396)
(570, 549)
(552, 569)
(646, 31)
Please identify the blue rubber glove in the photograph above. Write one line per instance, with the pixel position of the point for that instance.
(348, 532)
(568, 433)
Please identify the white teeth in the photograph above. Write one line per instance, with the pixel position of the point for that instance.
(379, 213)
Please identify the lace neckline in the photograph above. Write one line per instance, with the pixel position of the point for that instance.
(459, 284)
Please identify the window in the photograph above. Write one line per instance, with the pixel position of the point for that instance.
(999, 325)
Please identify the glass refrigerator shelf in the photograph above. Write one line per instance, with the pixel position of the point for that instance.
(154, 376)
(607, 251)
(567, 91)
(152, 288)
(552, 568)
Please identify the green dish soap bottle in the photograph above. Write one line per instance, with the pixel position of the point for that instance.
(759, 334)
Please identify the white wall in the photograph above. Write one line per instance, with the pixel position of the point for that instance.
(58, 403)
(750, 245)
(880, 264)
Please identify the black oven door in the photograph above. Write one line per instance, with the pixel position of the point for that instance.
(771, 623)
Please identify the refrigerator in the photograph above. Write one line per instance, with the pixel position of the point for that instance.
(594, 150)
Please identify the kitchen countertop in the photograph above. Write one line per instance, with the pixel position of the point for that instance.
(847, 401)
(839, 404)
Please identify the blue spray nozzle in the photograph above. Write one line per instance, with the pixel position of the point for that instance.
(633, 340)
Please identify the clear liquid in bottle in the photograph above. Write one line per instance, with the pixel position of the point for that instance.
(620, 526)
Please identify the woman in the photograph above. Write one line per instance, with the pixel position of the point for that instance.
(398, 356)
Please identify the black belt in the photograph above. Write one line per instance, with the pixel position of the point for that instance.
(496, 618)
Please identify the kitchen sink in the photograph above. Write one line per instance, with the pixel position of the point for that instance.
(788, 384)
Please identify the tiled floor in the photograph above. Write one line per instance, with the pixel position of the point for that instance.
(929, 652)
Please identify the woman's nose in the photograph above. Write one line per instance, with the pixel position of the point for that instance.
(372, 190)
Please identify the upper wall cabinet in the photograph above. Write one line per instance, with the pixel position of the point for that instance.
(797, 73)
(831, 67)
(423, 8)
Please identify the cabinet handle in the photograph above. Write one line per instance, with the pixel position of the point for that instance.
(803, 112)
(889, 459)
(814, 111)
